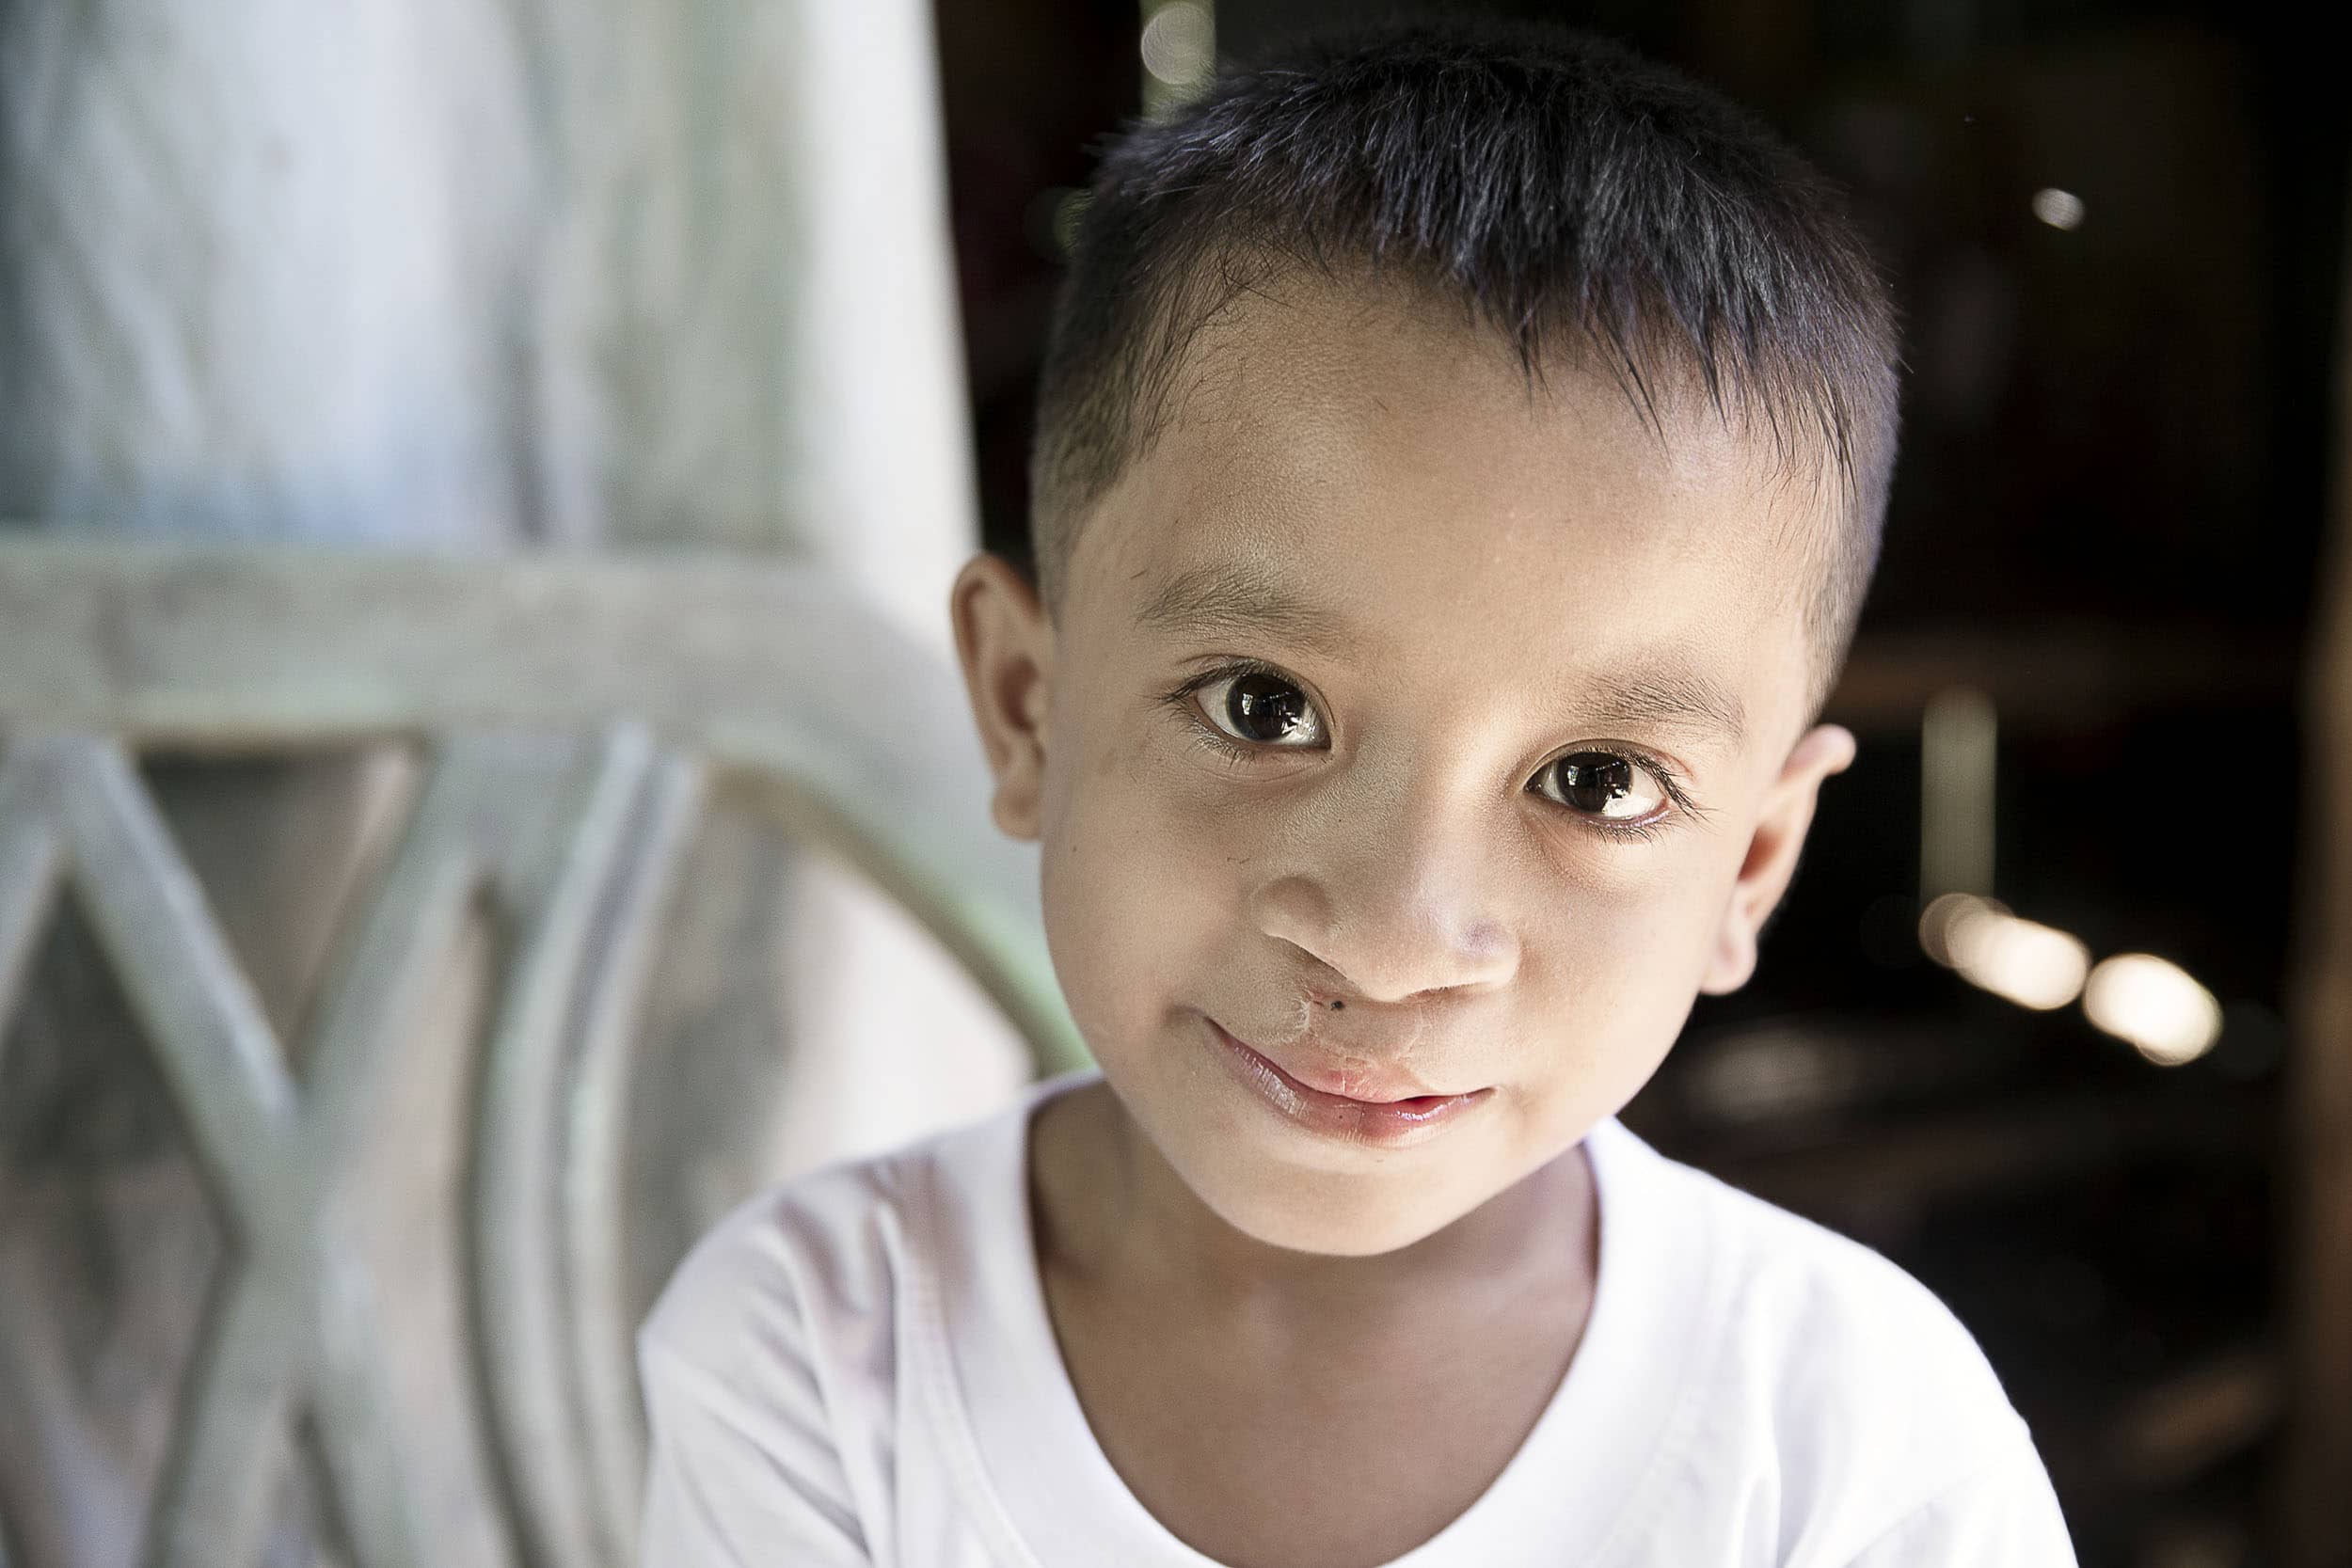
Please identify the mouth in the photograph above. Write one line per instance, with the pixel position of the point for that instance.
(1366, 1086)
(1381, 1110)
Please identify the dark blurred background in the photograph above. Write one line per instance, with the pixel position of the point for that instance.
(2116, 231)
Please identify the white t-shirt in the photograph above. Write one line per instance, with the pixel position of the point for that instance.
(857, 1368)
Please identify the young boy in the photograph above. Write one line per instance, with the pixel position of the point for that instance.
(1461, 458)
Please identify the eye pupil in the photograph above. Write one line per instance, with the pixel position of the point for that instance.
(1265, 708)
(1592, 782)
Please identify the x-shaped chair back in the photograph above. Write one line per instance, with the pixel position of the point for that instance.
(577, 712)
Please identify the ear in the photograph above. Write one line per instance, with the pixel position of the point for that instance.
(1771, 857)
(1006, 644)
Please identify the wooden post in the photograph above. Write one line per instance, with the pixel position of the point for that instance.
(2315, 1492)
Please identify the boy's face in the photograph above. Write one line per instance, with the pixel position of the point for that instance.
(1523, 776)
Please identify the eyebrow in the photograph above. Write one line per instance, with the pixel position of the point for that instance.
(1664, 695)
(1236, 599)
(1230, 597)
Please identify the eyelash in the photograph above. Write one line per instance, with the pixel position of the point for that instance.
(1208, 735)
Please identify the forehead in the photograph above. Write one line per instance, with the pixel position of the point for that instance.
(1361, 468)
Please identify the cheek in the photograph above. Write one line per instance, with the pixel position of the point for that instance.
(1138, 882)
(1607, 986)
(1640, 934)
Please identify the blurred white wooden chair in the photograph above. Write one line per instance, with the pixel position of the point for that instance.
(573, 716)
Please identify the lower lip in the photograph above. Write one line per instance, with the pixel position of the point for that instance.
(1395, 1124)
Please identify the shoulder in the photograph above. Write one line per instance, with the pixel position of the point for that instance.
(1839, 1327)
(1839, 1385)
(772, 1367)
(819, 1259)
(744, 1361)
(2003, 1511)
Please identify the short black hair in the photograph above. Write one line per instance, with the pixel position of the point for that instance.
(1552, 182)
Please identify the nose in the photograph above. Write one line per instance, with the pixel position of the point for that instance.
(1405, 908)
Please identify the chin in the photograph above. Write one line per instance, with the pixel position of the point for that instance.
(1329, 1218)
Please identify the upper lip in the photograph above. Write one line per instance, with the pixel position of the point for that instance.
(1313, 1065)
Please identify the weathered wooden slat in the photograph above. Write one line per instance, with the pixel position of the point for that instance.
(602, 1343)
(30, 860)
(368, 1456)
(2316, 1494)
(212, 1501)
(482, 793)
(521, 1285)
(745, 661)
(226, 1071)
(168, 641)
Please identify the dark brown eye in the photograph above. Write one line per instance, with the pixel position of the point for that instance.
(1263, 708)
(1603, 784)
